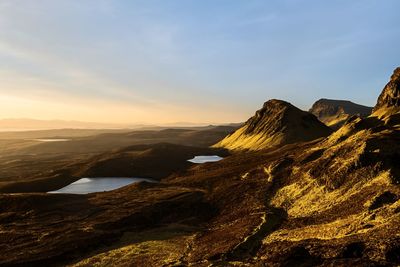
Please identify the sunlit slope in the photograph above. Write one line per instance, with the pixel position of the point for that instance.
(344, 191)
(276, 123)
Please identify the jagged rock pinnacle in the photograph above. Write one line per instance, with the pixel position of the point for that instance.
(390, 96)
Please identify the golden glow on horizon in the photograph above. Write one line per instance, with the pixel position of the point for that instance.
(70, 108)
(26, 96)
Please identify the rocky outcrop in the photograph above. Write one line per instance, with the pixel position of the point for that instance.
(276, 123)
(335, 112)
(390, 96)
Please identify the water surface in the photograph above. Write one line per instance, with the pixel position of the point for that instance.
(204, 159)
(91, 185)
(52, 140)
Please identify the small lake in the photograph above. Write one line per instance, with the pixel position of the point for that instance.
(92, 185)
(52, 140)
(204, 159)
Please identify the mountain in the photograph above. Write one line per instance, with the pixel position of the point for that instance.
(390, 96)
(276, 123)
(335, 112)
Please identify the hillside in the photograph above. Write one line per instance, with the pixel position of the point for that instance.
(276, 123)
(334, 113)
(328, 202)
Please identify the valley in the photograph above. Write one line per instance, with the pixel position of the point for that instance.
(289, 191)
(35, 166)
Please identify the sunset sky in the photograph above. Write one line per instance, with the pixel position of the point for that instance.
(208, 61)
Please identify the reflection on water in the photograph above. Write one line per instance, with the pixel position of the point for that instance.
(91, 185)
(204, 159)
(52, 140)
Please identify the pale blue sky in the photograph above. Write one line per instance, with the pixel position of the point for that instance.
(190, 60)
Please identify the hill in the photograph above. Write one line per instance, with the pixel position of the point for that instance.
(277, 123)
(334, 113)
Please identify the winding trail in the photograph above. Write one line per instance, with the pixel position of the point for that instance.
(248, 248)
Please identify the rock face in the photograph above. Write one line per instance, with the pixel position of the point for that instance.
(390, 96)
(276, 123)
(335, 112)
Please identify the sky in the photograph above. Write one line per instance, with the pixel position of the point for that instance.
(201, 61)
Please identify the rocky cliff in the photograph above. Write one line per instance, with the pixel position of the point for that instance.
(390, 96)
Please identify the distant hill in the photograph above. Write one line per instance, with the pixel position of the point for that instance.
(276, 123)
(335, 112)
(9, 125)
(26, 124)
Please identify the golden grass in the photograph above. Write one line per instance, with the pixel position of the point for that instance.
(342, 227)
(165, 247)
(241, 141)
(305, 197)
(334, 120)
